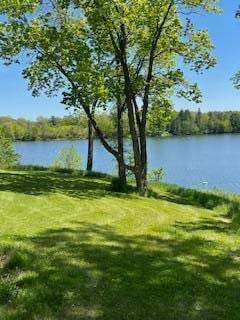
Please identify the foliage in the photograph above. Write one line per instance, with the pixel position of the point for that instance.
(156, 174)
(69, 127)
(8, 157)
(188, 123)
(68, 159)
(161, 121)
(159, 116)
(80, 49)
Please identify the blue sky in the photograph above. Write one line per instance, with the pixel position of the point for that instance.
(217, 89)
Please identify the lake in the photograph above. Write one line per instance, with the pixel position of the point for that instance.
(187, 161)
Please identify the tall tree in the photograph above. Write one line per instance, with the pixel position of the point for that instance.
(145, 39)
(78, 47)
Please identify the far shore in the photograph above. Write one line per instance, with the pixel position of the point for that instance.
(167, 135)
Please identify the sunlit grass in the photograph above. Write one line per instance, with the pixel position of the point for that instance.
(71, 249)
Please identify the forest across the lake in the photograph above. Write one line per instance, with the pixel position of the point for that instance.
(75, 126)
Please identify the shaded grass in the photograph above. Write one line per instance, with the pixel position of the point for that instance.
(71, 249)
(83, 173)
(48, 182)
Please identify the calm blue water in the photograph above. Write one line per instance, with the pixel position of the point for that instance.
(187, 161)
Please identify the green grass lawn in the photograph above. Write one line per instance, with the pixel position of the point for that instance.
(71, 249)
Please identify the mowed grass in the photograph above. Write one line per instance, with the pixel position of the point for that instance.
(71, 249)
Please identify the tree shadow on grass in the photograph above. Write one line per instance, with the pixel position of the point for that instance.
(39, 183)
(220, 225)
(77, 186)
(89, 271)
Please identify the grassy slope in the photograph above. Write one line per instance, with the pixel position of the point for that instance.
(69, 249)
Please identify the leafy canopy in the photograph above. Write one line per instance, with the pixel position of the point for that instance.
(70, 45)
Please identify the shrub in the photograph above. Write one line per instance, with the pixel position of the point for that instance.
(68, 158)
(156, 174)
(8, 157)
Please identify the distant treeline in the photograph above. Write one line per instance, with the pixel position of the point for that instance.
(68, 127)
(188, 123)
(184, 122)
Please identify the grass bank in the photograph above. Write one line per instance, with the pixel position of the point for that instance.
(72, 249)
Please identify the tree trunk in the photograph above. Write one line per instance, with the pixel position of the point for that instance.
(133, 120)
(141, 169)
(122, 175)
(90, 147)
(144, 159)
(141, 179)
(121, 164)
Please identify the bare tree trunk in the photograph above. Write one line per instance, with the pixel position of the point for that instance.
(141, 178)
(121, 163)
(141, 181)
(90, 147)
(140, 165)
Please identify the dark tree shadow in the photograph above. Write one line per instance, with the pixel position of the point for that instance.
(39, 183)
(77, 186)
(90, 271)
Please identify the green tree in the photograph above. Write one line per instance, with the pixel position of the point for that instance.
(235, 121)
(159, 116)
(82, 47)
(8, 157)
(174, 126)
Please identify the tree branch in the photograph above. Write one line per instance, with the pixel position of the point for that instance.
(88, 113)
(158, 33)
